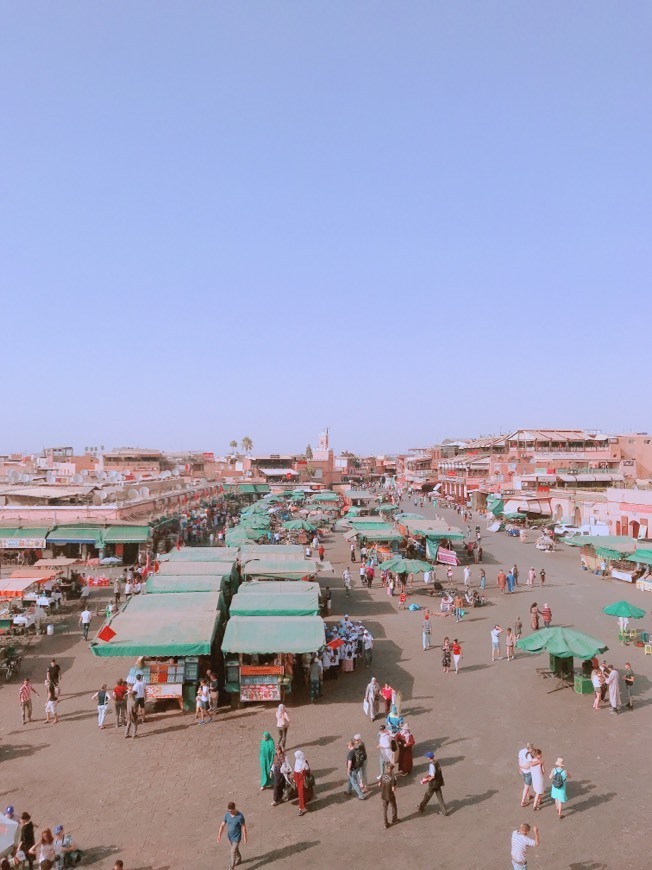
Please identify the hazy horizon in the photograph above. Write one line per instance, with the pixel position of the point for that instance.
(404, 223)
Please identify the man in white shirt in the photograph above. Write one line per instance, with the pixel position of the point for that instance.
(521, 843)
(139, 690)
(467, 575)
(524, 757)
(85, 620)
(496, 631)
(368, 643)
(385, 748)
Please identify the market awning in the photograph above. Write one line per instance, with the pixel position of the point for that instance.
(201, 554)
(76, 535)
(163, 584)
(15, 587)
(644, 557)
(163, 625)
(29, 538)
(273, 634)
(288, 568)
(270, 551)
(296, 599)
(206, 569)
(380, 535)
(127, 534)
(59, 562)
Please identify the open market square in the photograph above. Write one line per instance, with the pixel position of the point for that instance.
(156, 801)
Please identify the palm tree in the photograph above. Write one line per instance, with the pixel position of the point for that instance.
(308, 453)
(233, 445)
(247, 444)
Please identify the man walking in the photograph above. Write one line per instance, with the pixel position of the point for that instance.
(435, 782)
(53, 676)
(353, 784)
(85, 620)
(139, 689)
(236, 832)
(546, 615)
(131, 716)
(25, 699)
(425, 631)
(388, 794)
(524, 758)
(628, 677)
(496, 631)
(521, 842)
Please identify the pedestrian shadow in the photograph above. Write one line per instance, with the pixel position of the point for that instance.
(323, 772)
(587, 865)
(100, 853)
(322, 741)
(592, 801)
(156, 732)
(338, 798)
(9, 751)
(453, 759)
(471, 800)
(464, 669)
(275, 855)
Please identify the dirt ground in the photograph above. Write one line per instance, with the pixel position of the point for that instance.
(156, 802)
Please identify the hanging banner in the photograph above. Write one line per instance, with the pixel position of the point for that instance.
(447, 557)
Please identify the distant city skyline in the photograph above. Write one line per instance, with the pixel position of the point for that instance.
(231, 219)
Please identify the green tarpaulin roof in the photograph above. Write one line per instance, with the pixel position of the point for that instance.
(606, 553)
(201, 554)
(205, 569)
(98, 535)
(297, 599)
(167, 583)
(619, 543)
(253, 587)
(380, 535)
(127, 535)
(31, 532)
(273, 634)
(436, 530)
(562, 642)
(642, 556)
(289, 568)
(325, 496)
(271, 551)
(369, 522)
(163, 625)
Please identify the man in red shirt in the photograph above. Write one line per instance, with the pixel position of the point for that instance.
(25, 698)
(321, 552)
(120, 691)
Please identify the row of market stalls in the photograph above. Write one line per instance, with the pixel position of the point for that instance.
(617, 556)
(250, 613)
(75, 540)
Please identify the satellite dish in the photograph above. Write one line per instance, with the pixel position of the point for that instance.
(144, 491)
(84, 473)
(24, 478)
(97, 499)
(77, 478)
(114, 476)
(103, 495)
(133, 493)
(138, 478)
(13, 476)
(49, 477)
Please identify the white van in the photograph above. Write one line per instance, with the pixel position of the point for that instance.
(588, 530)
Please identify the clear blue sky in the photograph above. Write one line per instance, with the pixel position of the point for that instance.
(400, 220)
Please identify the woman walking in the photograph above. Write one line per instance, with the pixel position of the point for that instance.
(44, 850)
(278, 776)
(446, 655)
(537, 770)
(266, 757)
(598, 681)
(102, 698)
(534, 617)
(282, 724)
(301, 767)
(559, 775)
(405, 741)
(509, 644)
(51, 704)
(456, 649)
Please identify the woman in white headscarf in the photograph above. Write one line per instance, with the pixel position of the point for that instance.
(371, 696)
(301, 767)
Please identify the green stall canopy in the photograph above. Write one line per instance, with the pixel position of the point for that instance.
(201, 554)
(273, 634)
(206, 569)
(300, 599)
(289, 568)
(644, 557)
(162, 626)
(271, 551)
(32, 537)
(563, 643)
(380, 535)
(167, 583)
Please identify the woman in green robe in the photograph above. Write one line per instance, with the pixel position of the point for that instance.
(267, 750)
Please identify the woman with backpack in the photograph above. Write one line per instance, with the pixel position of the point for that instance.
(558, 776)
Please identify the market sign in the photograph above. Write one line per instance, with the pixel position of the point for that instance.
(157, 691)
(22, 543)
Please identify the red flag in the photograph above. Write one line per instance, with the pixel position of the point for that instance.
(335, 644)
(107, 633)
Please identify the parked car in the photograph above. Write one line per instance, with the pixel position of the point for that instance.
(588, 530)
